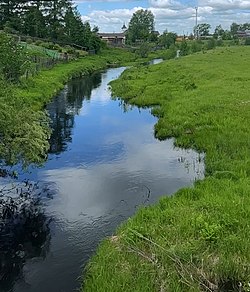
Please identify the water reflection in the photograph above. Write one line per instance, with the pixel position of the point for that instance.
(24, 232)
(105, 163)
(65, 106)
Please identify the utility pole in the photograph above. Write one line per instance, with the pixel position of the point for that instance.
(196, 22)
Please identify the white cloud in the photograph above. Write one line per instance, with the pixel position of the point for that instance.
(166, 4)
(226, 4)
(175, 15)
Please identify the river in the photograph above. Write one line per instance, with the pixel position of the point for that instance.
(104, 163)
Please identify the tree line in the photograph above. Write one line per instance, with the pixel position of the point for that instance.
(203, 29)
(57, 20)
(141, 28)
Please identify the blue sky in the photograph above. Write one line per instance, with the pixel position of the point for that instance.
(173, 15)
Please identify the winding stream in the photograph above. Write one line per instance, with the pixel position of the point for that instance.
(104, 163)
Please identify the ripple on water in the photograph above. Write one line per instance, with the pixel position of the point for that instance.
(103, 164)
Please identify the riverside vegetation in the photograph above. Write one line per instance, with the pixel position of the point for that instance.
(198, 239)
(24, 126)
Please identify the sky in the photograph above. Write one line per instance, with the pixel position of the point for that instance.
(171, 15)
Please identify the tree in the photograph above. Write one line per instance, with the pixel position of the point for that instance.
(227, 35)
(34, 22)
(184, 48)
(144, 50)
(53, 19)
(202, 29)
(219, 31)
(140, 26)
(12, 58)
(55, 11)
(234, 28)
(167, 39)
(74, 28)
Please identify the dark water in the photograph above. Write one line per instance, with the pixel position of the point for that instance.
(104, 162)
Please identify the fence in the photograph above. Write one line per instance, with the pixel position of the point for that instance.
(36, 63)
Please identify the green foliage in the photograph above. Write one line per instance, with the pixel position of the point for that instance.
(57, 20)
(167, 39)
(219, 43)
(24, 127)
(140, 26)
(12, 58)
(196, 46)
(247, 42)
(200, 237)
(29, 41)
(202, 29)
(24, 132)
(38, 90)
(184, 48)
(211, 44)
(219, 31)
(144, 50)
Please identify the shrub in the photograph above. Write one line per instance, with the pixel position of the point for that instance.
(247, 42)
(12, 58)
(196, 46)
(81, 53)
(144, 50)
(57, 47)
(69, 50)
(211, 44)
(38, 43)
(29, 41)
(219, 43)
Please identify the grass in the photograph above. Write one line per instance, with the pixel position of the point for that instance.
(198, 239)
(23, 123)
(38, 90)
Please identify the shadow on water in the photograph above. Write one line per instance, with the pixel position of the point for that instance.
(66, 106)
(24, 230)
(104, 163)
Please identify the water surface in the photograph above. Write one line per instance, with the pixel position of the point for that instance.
(104, 163)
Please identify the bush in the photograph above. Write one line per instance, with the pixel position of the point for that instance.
(247, 42)
(196, 46)
(69, 50)
(29, 41)
(184, 48)
(144, 50)
(210, 44)
(219, 43)
(43, 44)
(81, 53)
(38, 43)
(12, 58)
(57, 47)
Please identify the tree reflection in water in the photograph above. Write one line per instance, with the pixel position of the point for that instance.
(65, 106)
(24, 230)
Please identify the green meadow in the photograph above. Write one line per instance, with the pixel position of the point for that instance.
(199, 238)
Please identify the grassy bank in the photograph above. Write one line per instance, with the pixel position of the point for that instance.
(38, 90)
(199, 239)
(24, 127)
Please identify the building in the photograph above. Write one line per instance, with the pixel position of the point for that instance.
(113, 39)
(243, 33)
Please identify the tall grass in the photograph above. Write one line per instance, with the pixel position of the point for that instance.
(38, 90)
(198, 239)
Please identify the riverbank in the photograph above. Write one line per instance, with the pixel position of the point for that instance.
(198, 239)
(24, 126)
(38, 90)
